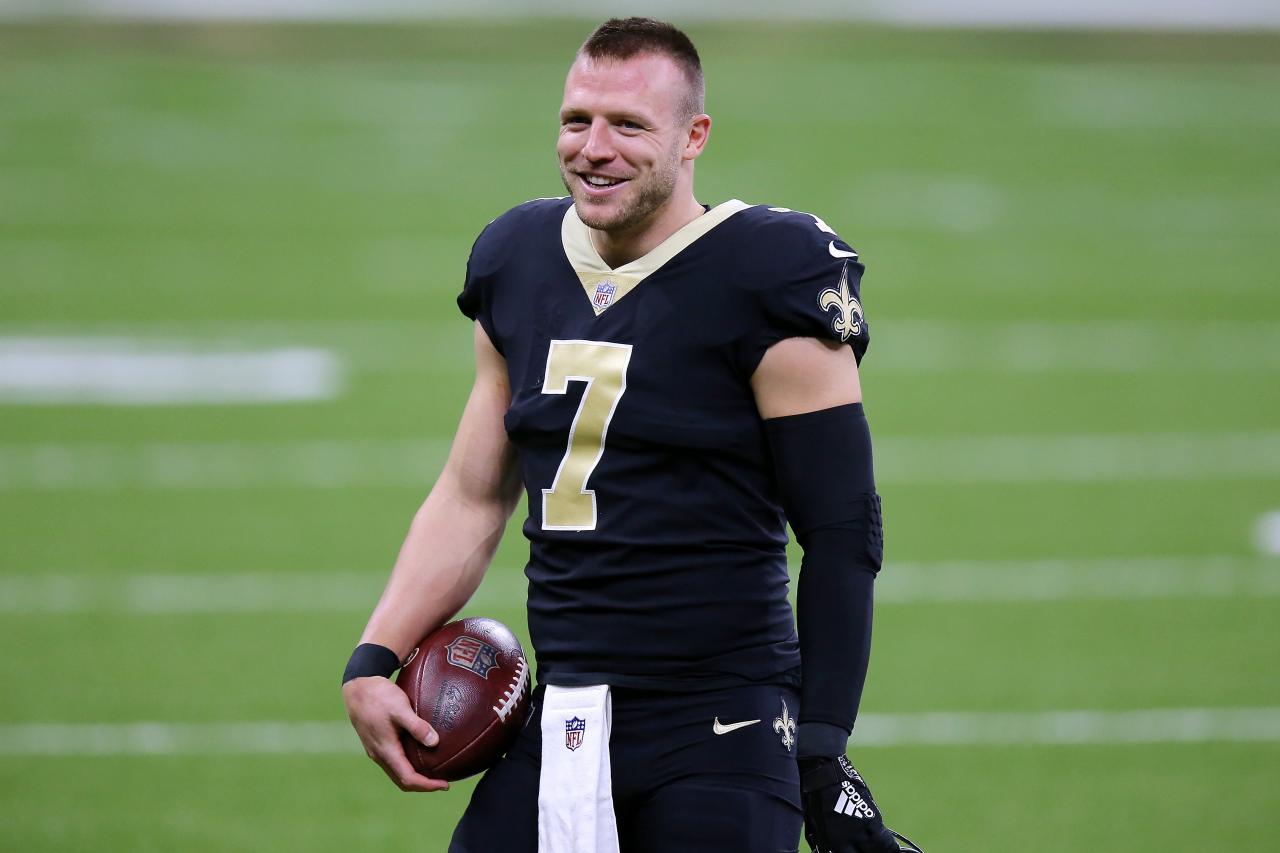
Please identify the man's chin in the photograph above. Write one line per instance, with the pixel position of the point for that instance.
(597, 215)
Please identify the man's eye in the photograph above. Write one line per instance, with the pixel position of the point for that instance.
(573, 120)
(631, 125)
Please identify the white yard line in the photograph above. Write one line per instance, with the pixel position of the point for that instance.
(1169, 725)
(156, 738)
(1122, 578)
(231, 592)
(945, 460)
(972, 728)
(219, 465)
(127, 371)
(1266, 533)
(1170, 15)
(1112, 97)
(1071, 347)
(903, 344)
(1084, 458)
(1140, 578)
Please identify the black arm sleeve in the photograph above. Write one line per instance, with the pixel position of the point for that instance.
(823, 465)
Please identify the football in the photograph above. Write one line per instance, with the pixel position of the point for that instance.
(470, 681)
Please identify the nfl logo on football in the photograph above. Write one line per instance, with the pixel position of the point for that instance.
(469, 653)
(574, 730)
(605, 291)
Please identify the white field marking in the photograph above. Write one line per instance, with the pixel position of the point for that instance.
(162, 144)
(127, 371)
(231, 592)
(1081, 458)
(366, 345)
(1067, 347)
(1092, 14)
(962, 203)
(220, 465)
(1104, 96)
(155, 738)
(1064, 580)
(917, 460)
(1168, 725)
(973, 728)
(1267, 533)
(907, 345)
(956, 203)
(1134, 578)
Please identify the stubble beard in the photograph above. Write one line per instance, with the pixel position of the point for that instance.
(647, 197)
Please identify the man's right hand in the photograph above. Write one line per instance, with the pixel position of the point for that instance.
(839, 814)
(378, 711)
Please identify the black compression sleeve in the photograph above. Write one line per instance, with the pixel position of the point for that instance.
(824, 470)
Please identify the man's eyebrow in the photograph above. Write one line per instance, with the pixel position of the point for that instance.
(611, 115)
(633, 117)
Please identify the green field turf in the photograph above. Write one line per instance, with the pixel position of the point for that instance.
(1071, 243)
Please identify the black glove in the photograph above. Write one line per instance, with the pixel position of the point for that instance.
(839, 814)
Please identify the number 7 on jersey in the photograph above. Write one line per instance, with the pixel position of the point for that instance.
(569, 504)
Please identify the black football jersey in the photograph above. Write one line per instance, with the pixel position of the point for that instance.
(657, 543)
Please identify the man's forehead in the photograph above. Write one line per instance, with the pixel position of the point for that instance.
(645, 75)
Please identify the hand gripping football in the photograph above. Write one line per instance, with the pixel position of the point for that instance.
(470, 681)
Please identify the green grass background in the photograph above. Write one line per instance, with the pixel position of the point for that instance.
(322, 185)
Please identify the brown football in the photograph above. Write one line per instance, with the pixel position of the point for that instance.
(470, 681)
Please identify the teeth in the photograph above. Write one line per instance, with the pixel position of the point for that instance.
(600, 182)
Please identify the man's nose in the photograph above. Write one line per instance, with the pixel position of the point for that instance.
(599, 141)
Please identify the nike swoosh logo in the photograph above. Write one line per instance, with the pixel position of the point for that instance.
(839, 253)
(721, 729)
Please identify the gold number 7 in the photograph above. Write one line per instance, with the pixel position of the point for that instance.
(569, 504)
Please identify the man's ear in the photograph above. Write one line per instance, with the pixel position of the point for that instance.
(699, 132)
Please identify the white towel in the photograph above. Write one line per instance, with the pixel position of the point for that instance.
(575, 793)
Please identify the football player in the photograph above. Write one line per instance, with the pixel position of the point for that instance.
(669, 383)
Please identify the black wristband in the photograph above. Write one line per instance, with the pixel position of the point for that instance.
(820, 740)
(370, 659)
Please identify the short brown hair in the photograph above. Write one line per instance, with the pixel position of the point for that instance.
(623, 38)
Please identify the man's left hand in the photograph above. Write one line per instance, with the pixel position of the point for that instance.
(839, 814)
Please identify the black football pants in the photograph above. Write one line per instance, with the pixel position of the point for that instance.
(678, 786)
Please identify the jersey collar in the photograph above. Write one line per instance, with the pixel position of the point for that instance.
(604, 285)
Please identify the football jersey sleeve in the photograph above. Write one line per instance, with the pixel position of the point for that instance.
(476, 298)
(473, 301)
(495, 264)
(808, 285)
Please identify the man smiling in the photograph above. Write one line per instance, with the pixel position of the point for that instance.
(671, 383)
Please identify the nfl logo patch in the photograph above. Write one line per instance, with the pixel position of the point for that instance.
(575, 729)
(472, 654)
(605, 291)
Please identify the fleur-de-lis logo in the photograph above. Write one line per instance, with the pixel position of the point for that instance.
(786, 727)
(848, 320)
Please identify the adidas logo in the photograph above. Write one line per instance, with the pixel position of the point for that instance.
(852, 804)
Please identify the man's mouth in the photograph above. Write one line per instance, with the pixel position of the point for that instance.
(598, 184)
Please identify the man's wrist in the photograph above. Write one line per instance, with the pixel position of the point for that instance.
(820, 740)
(371, 659)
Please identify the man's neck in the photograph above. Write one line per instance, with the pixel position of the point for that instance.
(623, 247)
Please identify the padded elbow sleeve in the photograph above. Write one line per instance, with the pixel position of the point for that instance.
(826, 483)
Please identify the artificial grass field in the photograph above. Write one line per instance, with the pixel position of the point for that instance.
(1071, 243)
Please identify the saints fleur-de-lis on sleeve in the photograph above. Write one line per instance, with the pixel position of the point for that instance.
(848, 320)
(786, 727)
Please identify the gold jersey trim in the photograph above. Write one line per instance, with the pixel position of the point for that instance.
(604, 285)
